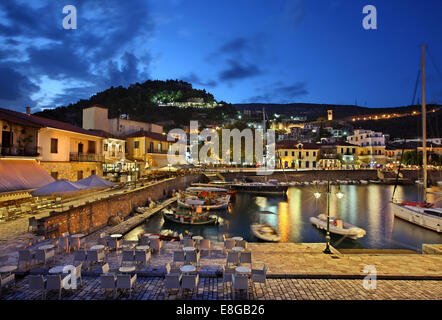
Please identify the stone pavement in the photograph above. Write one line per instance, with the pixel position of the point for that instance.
(152, 288)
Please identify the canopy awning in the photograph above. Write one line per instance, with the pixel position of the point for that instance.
(22, 174)
(59, 187)
(94, 181)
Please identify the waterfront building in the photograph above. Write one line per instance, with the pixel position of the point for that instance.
(297, 155)
(371, 147)
(96, 118)
(62, 149)
(147, 149)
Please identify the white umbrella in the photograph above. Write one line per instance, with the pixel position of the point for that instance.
(58, 187)
(95, 181)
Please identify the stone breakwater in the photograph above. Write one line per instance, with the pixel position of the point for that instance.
(311, 175)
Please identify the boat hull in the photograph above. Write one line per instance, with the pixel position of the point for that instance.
(416, 216)
(268, 238)
(170, 218)
(349, 230)
(206, 207)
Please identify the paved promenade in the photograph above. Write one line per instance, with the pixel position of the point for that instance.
(152, 288)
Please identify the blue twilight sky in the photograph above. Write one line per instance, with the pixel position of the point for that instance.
(242, 51)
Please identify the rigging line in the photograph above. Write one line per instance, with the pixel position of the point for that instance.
(434, 63)
(415, 86)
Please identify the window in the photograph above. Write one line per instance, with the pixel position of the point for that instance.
(79, 175)
(353, 150)
(54, 175)
(314, 153)
(307, 164)
(293, 153)
(105, 147)
(54, 145)
(300, 154)
(159, 146)
(136, 144)
(306, 153)
(342, 150)
(314, 164)
(93, 172)
(91, 146)
(286, 153)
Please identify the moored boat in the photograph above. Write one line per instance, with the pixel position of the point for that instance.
(265, 232)
(337, 226)
(190, 219)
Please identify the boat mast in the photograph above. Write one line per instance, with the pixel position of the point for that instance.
(424, 126)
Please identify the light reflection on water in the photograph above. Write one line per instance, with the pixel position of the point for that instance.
(366, 206)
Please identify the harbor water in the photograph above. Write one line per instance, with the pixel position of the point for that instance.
(365, 206)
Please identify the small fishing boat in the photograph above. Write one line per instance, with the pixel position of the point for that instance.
(337, 226)
(205, 197)
(189, 219)
(265, 232)
(363, 181)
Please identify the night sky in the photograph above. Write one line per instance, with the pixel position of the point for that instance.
(277, 51)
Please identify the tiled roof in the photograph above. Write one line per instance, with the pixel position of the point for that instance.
(36, 121)
(149, 134)
(290, 144)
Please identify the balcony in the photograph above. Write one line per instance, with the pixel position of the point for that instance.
(157, 151)
(20, 151)
(86, 157)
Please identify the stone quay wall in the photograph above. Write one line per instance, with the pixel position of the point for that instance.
(333, 175)
(94, 215)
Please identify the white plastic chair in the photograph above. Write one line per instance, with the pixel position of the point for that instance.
(156, 245)
(245, 257)
(142, 256)
(178, 256)
(190, 282)
(37, 282)
(125, 281)
(128, 257)
(232, 257)
(240, 282)
(172, 282)
(108, 281)
(260, 276)
(205, 245)
(44, 255)
(192, 257)
(6, 281)
(54, 282)
(228, 245)
(25, 256)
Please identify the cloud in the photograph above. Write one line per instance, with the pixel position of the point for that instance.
(194, 79)
(14, 85)
(280, 92)
(236, 70)
(104, 50)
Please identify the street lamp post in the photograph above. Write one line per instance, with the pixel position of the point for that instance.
(339, 195)
(327, 236)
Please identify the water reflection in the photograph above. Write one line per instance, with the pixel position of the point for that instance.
(366, 206)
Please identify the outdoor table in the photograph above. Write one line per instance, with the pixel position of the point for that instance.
(237, 238)
(197, 238)
(242, 269)
(127, 269)
(154, 237)
(8, 269)
(238, 249)
(97, 247)
(144, 248)
(116, 235)
(46, 247)
(187, 268)
(78, 235)
(57, 269)
(147, 235)
(189, 249)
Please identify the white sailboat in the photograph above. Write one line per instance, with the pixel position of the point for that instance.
(422, 213)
